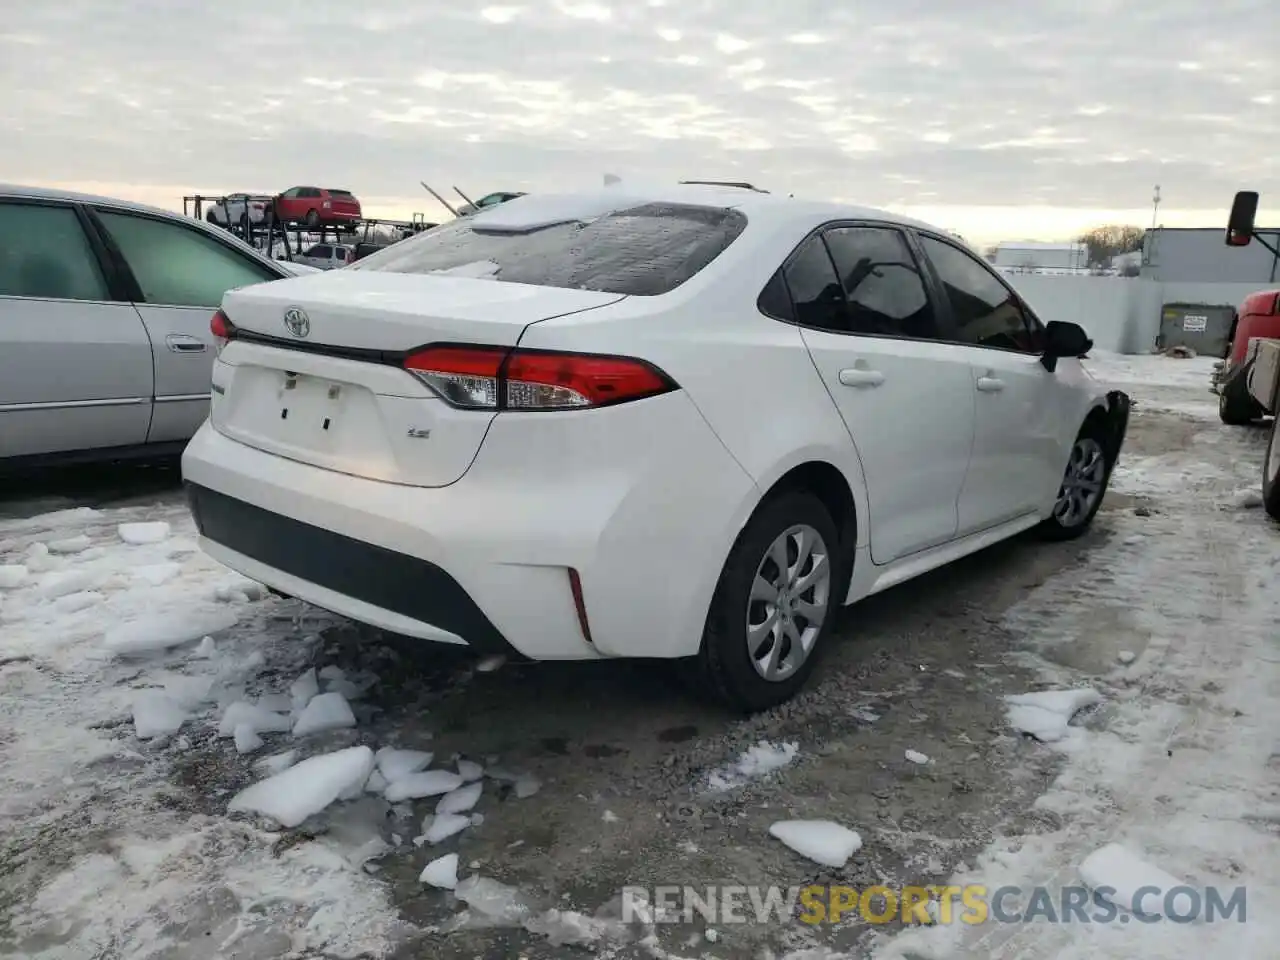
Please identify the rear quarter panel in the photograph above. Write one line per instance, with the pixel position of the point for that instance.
(749, 376)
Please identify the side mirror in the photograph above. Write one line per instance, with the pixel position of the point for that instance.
(1063, 340)
(1244, 210)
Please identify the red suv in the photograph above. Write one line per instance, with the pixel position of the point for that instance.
(315, 206)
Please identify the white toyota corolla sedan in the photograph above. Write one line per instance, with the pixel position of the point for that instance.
(688, 422)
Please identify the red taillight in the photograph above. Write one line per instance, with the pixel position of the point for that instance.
(222, 330)
(500, 378)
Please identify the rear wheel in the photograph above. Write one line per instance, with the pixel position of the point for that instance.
(313, 218)
(1083, 483)
(1236, 407)
(776, 601)
(1271, 473)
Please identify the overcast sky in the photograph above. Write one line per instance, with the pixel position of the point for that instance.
(996, 119)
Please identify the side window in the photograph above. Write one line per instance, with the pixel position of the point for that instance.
(815, 288)
(179, 266)
(44, 253)
(986, 313)
(290, 193)
(882, 283)
(322, 250)
(775, 299)
(309, 193)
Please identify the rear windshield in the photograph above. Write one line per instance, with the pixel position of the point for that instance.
(642, 251)
(341, 193)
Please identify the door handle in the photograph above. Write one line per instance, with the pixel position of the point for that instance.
(990, 385)
(181, 343)
(861, 377)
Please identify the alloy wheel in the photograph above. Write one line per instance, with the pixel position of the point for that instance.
(1082, 483)
(788, 602)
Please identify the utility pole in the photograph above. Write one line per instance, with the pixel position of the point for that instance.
(1155, 207)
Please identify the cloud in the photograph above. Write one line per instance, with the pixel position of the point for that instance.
(1060, 103)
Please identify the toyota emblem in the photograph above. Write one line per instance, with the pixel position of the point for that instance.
(297, 322)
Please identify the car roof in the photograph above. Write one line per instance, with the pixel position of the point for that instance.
(49, 193)
(14, 191)
(760, 208)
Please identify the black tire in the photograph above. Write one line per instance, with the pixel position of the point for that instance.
(1066, 524)
(313, 218)
(723, 667)
(1236, 407)
(1271, 473)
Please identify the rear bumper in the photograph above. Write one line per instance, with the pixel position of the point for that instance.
(397, 591)
(643, 504)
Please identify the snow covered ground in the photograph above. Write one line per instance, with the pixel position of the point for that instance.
(1175, 624)
(144, 691)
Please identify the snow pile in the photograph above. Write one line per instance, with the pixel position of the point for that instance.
(821, 841)
(757, 761)
(306, 788)
(1047, 715)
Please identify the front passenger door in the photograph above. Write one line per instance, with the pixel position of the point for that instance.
(181, 273)
(905, 398)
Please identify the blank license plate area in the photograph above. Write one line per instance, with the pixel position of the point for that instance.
(334, 423)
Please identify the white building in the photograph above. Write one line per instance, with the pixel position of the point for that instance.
(1030, 257)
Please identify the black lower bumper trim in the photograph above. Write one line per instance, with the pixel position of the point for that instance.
(363, 571)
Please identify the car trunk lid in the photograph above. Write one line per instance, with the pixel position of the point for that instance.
(313, 372)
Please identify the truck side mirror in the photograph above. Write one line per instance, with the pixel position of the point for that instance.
(1244, 210)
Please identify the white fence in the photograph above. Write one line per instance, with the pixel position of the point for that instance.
(1120, 314)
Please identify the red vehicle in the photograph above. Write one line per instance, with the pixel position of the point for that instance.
(1258, 318)
(317, 206)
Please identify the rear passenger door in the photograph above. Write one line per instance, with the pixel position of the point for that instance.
(1021, 437)
(75, 362)
(179, 274)
(906, 398)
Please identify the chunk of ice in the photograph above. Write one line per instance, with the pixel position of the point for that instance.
(62, 582)
(822, 841)
(142, 533)
(916, 756)
(156, 714)
(247, 739)
(70, 544)
(397, 764)
(157, 574)
(441, 872)
(327, 711)
(162, 631)
(276, 763)
(254, 716)
(376, 783)
(460, 800)
(428, 783)
(305, 789)
(469, 770)
(445, 825)
(332, 672)
(304, 688)
(527, 785)
(1117, 874)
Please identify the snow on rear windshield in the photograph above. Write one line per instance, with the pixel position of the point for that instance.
(642, 251)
